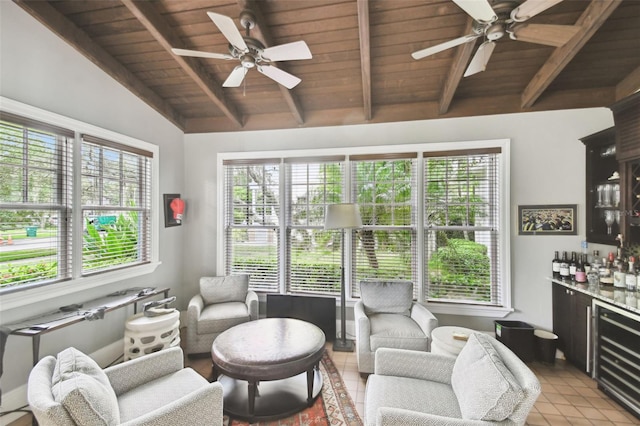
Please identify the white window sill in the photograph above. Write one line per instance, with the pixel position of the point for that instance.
(468, 310)
(18, 299)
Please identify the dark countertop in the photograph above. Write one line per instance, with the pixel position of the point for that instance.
(629, 300)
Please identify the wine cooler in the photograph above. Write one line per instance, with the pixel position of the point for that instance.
(617, 356)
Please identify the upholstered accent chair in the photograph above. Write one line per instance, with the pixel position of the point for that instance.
(156, 389)
(486, 384)
(387, 317)
(222, 303)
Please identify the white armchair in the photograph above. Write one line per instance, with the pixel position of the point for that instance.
(387, 317)
(71, 389)
(486, 384)
(222, 303)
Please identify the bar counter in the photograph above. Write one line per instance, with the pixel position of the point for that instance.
(617, 296)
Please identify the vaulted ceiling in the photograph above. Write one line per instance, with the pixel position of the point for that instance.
(361, 71)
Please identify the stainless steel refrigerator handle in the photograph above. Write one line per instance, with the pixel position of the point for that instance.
(589, 343)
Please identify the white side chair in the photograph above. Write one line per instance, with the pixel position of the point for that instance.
(387, 317)
(222, 303)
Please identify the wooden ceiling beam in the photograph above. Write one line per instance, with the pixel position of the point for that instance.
(589, 22)
(470, 108)
(48, 16)
(628, 85)
(146, 13)
(454, 76)
(365, 56)
(262, 33)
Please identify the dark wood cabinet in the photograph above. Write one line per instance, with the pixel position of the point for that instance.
(572, 325)
(604, 189)
(613, 167)
(626, 114)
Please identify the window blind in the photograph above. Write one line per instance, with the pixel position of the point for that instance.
(35, 202)
(385, 246)
(252, 220)
(116, 205)
(462, 228)
(314, 255)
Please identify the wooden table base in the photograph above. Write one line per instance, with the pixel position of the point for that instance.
(274, 399)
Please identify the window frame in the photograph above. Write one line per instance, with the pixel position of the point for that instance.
(444, 308)
(17, 297)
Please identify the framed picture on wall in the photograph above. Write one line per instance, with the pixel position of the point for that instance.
(556, 219)
(173, 210)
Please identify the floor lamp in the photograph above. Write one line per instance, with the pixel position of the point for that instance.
(342, 216)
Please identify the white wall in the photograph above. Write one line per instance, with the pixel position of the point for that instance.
(547, 167)
(39, 69)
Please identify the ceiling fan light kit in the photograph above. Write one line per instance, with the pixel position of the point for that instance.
(251, 53)
(495, 18)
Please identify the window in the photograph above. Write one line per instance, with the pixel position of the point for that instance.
(75, 209)
(462, 227)
(314, 255)
(252, 220)
(431, 215)
(35, 202)
(384, 188)
(116, 205)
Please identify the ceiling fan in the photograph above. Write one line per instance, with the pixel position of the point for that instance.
(492, 20)
(251, 52)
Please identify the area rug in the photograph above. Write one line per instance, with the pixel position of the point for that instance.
(333, 407)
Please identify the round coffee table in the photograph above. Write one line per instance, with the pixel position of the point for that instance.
(276, 359)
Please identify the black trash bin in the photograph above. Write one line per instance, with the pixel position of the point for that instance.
(517, 336)
(545, 346)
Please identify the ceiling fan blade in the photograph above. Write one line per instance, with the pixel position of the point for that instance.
(480, 10)
(199, 54)
(443, 46)
(550, 35)
(228, 28)
(287, 80)
(236, 77)
(287, 52)
(481, 58)
(531, 8)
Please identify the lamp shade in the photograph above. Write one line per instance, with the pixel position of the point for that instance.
(342, 216)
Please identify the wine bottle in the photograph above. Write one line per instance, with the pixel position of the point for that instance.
(594, 273)
(581, 274)
(555, 266)
(620, 271)
(573, 263)
(631, 279)
(585, 261)
(606, 276)
(564, 268)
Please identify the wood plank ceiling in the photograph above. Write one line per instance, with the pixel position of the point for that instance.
(361, 71)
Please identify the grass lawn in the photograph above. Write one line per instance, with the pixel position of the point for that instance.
(21, 233)
(11, 256)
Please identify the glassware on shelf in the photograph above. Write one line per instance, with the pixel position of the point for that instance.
(607, 195)
(616, 217)
(600, 191)
(608, 151)
(609, 218)
(616, 195)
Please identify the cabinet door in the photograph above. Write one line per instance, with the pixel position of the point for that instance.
(562, 317)
(581, 331)
(631, 176)
(603, 223)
